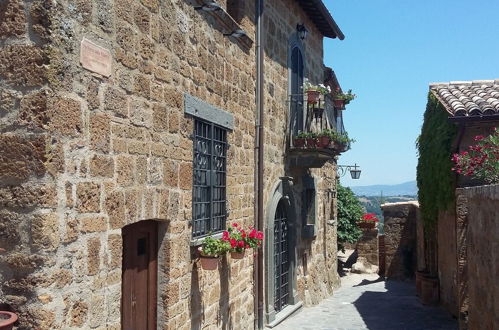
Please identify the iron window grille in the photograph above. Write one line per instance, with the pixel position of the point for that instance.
(209, 208)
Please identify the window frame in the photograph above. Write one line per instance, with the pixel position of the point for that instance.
(214, 182)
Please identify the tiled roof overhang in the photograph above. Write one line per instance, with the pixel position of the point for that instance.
(322, 18)
(469, 100)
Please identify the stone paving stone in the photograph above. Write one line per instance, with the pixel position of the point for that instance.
(371, 304)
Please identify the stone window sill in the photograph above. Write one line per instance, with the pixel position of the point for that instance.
(195, 242)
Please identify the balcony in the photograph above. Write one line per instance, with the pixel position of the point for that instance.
(316, 133)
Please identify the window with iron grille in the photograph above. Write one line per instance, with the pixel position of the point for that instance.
(209, 209)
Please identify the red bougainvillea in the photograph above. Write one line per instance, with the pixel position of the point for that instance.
(480, 161)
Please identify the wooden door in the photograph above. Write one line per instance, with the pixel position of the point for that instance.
(139, 277)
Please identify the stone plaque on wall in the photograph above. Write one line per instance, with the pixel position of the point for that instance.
(95, 58)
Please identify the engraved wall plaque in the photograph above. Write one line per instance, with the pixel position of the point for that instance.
(95, 58)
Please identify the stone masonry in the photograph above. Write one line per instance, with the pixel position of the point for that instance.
(478, 263)
(400, 239)
(83, 155)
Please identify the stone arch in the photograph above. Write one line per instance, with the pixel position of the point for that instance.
(281, 193)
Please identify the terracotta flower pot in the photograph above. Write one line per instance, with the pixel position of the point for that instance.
(324, 141)
(311, 142)
(237, 255)
(298, 142)
(209, 263)
(313, 97)
(367, 224)
(430, 294)
(7, 320)
(339, 104)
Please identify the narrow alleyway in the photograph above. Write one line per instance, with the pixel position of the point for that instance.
(365, 302)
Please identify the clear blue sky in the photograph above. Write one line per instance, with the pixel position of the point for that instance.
(391, 52)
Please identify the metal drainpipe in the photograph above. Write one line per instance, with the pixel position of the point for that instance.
(258, 266)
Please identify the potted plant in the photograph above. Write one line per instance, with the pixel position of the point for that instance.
(7, 320)
(314, 92)
(369, 221)
(341, 141)
(341, 99)
(254, 239)
(311, 140)
(324, 138)
(210, 252)
(235, 237)
(299, 140)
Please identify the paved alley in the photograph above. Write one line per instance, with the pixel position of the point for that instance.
(364, 302)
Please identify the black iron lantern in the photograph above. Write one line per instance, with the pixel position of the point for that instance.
(302, 31)
(355, 173)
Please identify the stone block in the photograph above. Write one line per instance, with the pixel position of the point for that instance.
(21, 157)
(116, 101)
(23, 65)
(146, 48)
(141, 170)
(90, 224)
(123, 10)
(160, 117)
(45, 231)
(125, 170)
(115, 247)
(115, 208)
(79, 313)
(40, 22)
(12, 19)
(185, 176)
(141, 85)
(100, 132)
(173, 98)
(155, 171)
(142, 18)
(93, 256)
(93, 100)
(171, 173)
(88, 196)
(65, 116)
(102, 166)
(141, 113)
(129, 60)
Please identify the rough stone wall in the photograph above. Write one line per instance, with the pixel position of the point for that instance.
(83, 156)
(317, 258)
(367, 245)
(479, 207)
(400, 239)
(446, 237)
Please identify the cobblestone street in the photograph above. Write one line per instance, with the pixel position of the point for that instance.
(364, 302)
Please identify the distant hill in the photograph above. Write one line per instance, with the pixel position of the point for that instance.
(403, 189)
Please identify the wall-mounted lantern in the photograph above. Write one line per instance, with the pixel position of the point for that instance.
(236, 33)
(353, 169)
(302, 31)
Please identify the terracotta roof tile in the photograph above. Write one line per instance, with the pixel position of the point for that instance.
(468, 98)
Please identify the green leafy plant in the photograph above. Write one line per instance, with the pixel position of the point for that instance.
(350, 211)
(213, 247)
(480, 161)
(308, 86)
(302, 135)
(436, 182)
(346, 97)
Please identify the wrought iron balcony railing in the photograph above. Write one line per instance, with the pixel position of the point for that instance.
(314, 131)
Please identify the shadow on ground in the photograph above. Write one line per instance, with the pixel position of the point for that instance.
(399, 308)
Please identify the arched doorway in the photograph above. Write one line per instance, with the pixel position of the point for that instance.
(281, 257)
(281, 228)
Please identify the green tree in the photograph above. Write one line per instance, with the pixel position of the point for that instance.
(350, 211)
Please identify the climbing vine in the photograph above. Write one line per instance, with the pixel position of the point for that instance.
(350, 211)
(436, 181)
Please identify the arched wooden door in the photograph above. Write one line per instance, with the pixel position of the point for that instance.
(139, 276)
(281, 257)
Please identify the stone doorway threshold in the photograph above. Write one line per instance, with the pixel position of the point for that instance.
(285, 313)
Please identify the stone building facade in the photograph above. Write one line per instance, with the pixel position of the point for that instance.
(91, 151)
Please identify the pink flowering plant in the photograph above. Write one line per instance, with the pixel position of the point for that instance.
(480, 161)
(240, 239)
(370, 217)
